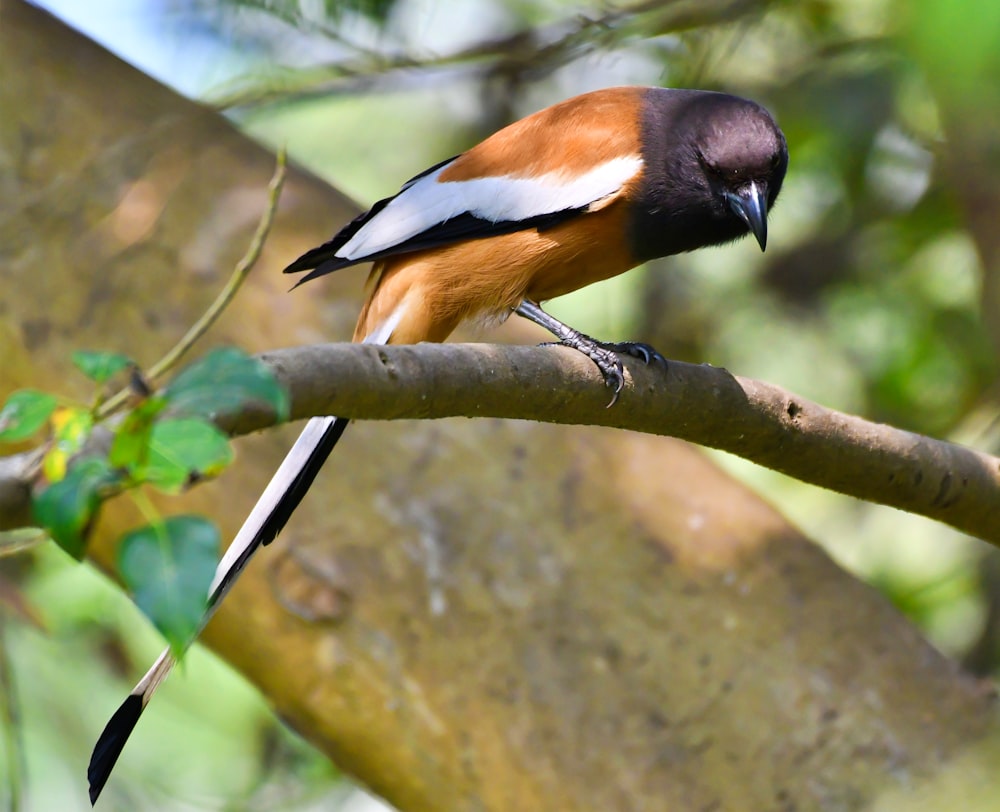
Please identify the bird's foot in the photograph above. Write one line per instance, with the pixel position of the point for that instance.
(605, 356)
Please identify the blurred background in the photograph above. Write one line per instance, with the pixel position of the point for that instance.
(878, 295)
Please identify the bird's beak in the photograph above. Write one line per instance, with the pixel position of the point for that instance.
(750, 205)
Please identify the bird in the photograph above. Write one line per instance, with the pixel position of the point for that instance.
(576, 193)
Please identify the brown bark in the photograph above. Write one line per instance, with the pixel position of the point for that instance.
(484, 614)
(702, 404)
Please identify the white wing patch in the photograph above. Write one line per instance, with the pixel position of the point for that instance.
(429, 202)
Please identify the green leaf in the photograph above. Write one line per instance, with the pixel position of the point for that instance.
(67, 508)
(168, 567)
(224, 380)
(71, 428)
(24, 413)
(130, 447)
(101, 367)
(181, 450)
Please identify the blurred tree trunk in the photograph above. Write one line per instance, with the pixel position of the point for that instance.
(466, 615)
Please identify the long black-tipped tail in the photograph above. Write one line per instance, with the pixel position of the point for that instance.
(109, 745)
(282, 495)
(119, 727)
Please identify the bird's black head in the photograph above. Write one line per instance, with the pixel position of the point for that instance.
(714, 167)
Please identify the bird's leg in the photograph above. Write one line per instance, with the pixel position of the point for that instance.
(602, 353)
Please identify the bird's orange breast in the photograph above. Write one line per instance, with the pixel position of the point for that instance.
(431, 292)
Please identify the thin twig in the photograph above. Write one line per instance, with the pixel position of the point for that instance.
(226, 295)
(20, 540)
(540, 50)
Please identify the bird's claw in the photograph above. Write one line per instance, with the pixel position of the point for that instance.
(635, 349)
(604, 356)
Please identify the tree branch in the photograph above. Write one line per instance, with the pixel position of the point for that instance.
(702, 404)
(539, 49)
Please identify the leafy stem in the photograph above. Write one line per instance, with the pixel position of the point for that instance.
(226, 295)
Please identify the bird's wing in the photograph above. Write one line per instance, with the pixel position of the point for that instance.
(533, 174)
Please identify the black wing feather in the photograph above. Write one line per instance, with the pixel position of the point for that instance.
(327, 251)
